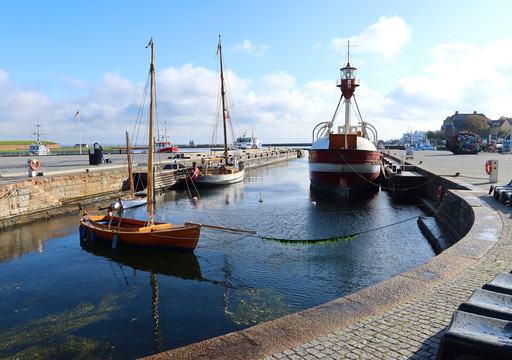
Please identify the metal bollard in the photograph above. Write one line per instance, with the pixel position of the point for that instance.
(491, 168)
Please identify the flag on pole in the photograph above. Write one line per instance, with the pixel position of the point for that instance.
(218, 48)
(150, 42)
(77, 113)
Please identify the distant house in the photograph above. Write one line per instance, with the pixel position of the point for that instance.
(416, 138)
(499, 126)
(84, 146)
(453, 124)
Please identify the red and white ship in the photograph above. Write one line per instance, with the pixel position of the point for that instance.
(164, 145)
(347, 160)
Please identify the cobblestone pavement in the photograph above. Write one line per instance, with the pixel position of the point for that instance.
(413, 330)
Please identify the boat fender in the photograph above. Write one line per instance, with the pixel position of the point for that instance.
(439, 195)
(83, 232)
(193, 174)
(34, 164)
(114, 241)
(488, 167)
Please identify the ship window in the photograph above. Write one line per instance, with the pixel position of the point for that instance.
(349, 73)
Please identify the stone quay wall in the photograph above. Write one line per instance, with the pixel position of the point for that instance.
(40, 197)
(30, 199)
(455, 212)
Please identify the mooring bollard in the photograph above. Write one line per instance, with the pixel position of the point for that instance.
(491, 168)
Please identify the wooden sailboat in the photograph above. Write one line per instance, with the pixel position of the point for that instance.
(228, 171)
(149, 233)
(133, 199)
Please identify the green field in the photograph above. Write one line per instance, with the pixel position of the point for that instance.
(24, 142)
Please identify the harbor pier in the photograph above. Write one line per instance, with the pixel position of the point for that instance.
(69, 183)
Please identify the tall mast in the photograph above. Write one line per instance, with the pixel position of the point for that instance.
(348, 84)
(224, 112)
(130, 173)
(150, 189)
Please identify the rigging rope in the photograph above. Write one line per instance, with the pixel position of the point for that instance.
(336, 239)
(51, 205)
(381, 186)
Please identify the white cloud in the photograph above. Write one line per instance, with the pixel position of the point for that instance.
(385, 38)
(250, 48)
(459, 77)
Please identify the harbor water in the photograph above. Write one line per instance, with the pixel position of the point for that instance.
(63, 299)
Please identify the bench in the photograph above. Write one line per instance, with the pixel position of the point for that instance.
(481, 328)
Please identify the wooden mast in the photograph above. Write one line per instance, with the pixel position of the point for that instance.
(130, 173)
(224, 113)
(150, 189)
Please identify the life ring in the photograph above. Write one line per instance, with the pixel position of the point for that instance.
(34, 164)
(488, 167)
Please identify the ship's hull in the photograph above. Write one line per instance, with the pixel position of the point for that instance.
(220, 179)
(165, 147)
(344, 170)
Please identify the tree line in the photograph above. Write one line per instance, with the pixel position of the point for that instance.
(474, 123)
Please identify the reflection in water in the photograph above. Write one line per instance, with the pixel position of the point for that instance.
(154, 313)
(183, 265)
(24, 239)
(63, 299)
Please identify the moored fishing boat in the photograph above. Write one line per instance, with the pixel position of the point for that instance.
(223, 170)
(347, 160)
(248, 142)
(149, 233)
(165, 146)
(38, 148)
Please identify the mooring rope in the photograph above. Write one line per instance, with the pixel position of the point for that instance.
(336, 239)
(51, 205)
(8, 196)
(384, 187)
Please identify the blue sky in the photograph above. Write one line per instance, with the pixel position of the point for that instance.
(418, 62)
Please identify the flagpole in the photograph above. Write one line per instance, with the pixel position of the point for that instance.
(79, 132)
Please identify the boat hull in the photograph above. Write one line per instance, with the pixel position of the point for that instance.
(165, 147)
(136, 233)
(220, 179)
(128, 202)
(344, 170)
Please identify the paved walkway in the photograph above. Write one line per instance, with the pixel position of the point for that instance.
(400, 318)
(413, 329)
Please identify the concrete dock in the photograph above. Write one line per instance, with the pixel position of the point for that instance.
(400, 318)
(69, 183)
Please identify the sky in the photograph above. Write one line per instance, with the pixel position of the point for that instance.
(418, 62)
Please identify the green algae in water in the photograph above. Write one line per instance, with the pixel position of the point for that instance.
(251, 307)
(333, 240)
(53, 336)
